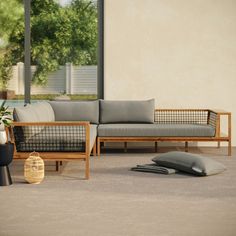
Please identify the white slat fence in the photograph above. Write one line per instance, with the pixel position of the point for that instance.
(69, 78)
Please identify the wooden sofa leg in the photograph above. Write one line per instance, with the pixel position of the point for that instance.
(229, 148)
(125, 146)
(98, 147)
(186, 146)
(57, 165)
(87, 168)
(156, 146)
(218, 144)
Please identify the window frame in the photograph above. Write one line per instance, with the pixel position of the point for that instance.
(27, 45)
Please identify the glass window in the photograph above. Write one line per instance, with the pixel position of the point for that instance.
(64, 48)
(11, 50)
(64, 42)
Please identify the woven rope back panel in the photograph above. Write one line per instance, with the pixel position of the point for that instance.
(181, 117)
(50, 138)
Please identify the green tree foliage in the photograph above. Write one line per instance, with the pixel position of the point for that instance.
(5, 70)
(58, 35)
(11, 12)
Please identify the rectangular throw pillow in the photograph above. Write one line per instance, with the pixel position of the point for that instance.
(76, 111)
(190, 163)
(127, 111)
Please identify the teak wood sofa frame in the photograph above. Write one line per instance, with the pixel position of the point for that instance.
(56, 156)
(181, 116)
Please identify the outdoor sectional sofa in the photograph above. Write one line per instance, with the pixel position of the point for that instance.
(71, 130)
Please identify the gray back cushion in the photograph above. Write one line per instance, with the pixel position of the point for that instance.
(190, 163)
(127, 111)
(76, 111)
(36, 112)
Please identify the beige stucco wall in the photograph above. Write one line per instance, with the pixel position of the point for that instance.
(180, 52)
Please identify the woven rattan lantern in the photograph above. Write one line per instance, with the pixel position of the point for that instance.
(34, 168)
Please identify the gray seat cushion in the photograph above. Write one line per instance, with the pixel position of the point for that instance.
(50, 139)
(155, 130)
(190, 163)
(127, 111)
(76, 111)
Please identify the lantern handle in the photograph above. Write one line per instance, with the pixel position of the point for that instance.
(34, 154)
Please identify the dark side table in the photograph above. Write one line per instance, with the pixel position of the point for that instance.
(6, 156)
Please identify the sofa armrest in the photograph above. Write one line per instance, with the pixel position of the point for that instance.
(220, 111)
(219, 114)
(43, 134)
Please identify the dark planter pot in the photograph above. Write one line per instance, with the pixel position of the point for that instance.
(6, 156)
(7, 94)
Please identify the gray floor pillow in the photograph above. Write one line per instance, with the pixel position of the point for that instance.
(190, 163)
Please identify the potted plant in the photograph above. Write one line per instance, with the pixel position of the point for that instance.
(6, 148)
(5, 121)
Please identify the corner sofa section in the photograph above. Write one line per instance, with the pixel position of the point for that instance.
(60, 131)
(139, 121)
